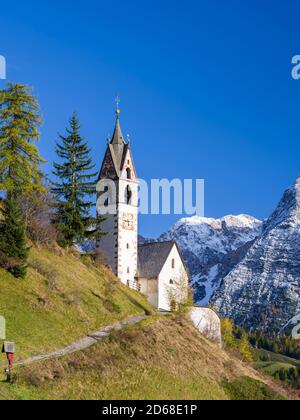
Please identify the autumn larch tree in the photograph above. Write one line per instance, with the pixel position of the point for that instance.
(20, 171)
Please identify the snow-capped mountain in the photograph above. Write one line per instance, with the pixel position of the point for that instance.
(263, 291)
(212, 247)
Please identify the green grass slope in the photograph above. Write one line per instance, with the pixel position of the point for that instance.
(62, 299)
(162, 358)
(273, 364)
(265, 357)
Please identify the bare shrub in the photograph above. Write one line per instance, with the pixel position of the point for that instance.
(72, 298)
(37, 210)
(180, 296)
(38, 374)
(100, 259)
(8, 263)
(49, 273)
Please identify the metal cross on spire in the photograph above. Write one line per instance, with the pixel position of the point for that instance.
(118, 101)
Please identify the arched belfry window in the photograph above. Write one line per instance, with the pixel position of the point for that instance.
(106, 203)
(128, 172)
(128, 195)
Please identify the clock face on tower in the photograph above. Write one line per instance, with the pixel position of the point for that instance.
(128, 221)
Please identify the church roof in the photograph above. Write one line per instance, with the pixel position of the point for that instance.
(118, 136)
(152, 257)
(118, 147)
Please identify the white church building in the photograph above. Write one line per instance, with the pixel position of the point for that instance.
(156, 269)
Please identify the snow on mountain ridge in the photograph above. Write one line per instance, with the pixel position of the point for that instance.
(212, 247)
(262, 291)
(242, 220)
(222, 235)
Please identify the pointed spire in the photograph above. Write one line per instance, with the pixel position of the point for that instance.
(118, 136)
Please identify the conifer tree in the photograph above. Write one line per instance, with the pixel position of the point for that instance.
(20, 160)
(74, 187)
(13, 246)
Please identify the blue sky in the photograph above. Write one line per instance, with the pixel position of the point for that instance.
(206, 88)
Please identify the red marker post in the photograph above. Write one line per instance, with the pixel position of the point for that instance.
(9, 350)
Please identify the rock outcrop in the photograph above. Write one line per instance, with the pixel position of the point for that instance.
(208, 323)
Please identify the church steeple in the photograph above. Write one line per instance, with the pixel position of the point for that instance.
(120, 244)
(118, 156)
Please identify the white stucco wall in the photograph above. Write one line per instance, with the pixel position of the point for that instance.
(107, 244)
(120, 244)
(178, 275)
(127, 238)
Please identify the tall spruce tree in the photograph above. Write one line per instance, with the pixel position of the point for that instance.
(74, 187)
(20, 160)
(13, 246)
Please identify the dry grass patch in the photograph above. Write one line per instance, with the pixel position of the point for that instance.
(159, 359)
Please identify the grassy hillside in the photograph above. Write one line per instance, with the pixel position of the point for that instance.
(62, 299)
(271, 363)
(271, 368)
(161, 358)
(264, 356)
(280, 367)
(65, 297)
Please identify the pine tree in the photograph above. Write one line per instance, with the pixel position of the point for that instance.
(20, 160)
(74, 187)
(282, 374)
(13, 246)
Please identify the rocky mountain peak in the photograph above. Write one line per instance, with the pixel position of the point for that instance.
(288, 208)
(263, 291)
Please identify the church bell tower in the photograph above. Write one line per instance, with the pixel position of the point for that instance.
(117, 203)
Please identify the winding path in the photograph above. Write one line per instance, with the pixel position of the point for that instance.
(85, 342)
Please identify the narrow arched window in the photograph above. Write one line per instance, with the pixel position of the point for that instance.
(128, 173)
(128, 195)
(173, 263)
(106, 203)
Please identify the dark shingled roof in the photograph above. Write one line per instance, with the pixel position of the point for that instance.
(118, 136)
(152, 257)
(118, 147)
